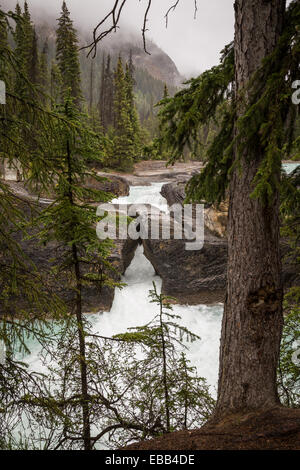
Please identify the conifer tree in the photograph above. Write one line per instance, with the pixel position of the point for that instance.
(55, 83)
(3, 38)
(44, 72)
(4, 48)
(169, 393)
(30, 41)
(34, 62)
(91, 90)
(26, 77)
(67, 55)
(75, 228)
(123, 130)
(106, 94)
(166, 91)
(102, 90)
(23, 36)
(133, 115)
(245, 158)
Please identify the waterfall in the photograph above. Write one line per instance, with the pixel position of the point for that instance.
(145, 195)
(131, 306)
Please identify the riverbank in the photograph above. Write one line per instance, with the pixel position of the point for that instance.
(157, 171)
(274, 429)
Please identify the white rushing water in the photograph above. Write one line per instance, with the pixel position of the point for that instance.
(131, 306)
(145, 195)
(289, 167)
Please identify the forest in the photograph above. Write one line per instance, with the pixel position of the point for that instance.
(137, 343)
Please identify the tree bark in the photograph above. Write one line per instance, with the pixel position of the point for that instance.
(86, 431)
(252, 322)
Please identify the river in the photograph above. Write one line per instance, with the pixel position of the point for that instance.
(131, 306)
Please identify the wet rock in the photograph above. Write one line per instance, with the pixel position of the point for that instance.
(151, 171)
(114, 184)
(174, 193)
(192, 277)
(215, 217)
(95, 297)
(199, 276)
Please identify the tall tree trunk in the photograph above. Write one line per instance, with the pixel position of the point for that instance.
(86, 431)
(252, 322)
(164, 358)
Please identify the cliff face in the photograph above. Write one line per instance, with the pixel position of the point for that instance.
(158, 64)
(152, 72)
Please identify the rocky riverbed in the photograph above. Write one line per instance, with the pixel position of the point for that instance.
(149, 171)
(192, 277)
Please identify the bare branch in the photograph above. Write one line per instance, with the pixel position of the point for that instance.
(195, 9)
(172, 8)
(114, 17)
(144, 29)
(114, 14)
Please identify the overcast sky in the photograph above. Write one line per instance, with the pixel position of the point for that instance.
(193, 44)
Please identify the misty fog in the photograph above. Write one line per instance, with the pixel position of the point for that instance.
(193, 44)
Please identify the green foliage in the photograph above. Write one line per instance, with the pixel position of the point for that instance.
(290, 207)
(289, 366)
(44, 73)
(133, 116)
(25, 43)
(155, 151)
(211, 184)
(289, 369)
(19, 277)
(167, 389)
(183, 115)
(271, 113)
(262, 120)
(55, 84)
(106, 95)
(74, 146)
(148, 91)
(67, 55)
(195, 105)
(46, 147)
(72, 69)
(86, 383)
(135, 380)
(123, 129)
(75, 221)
